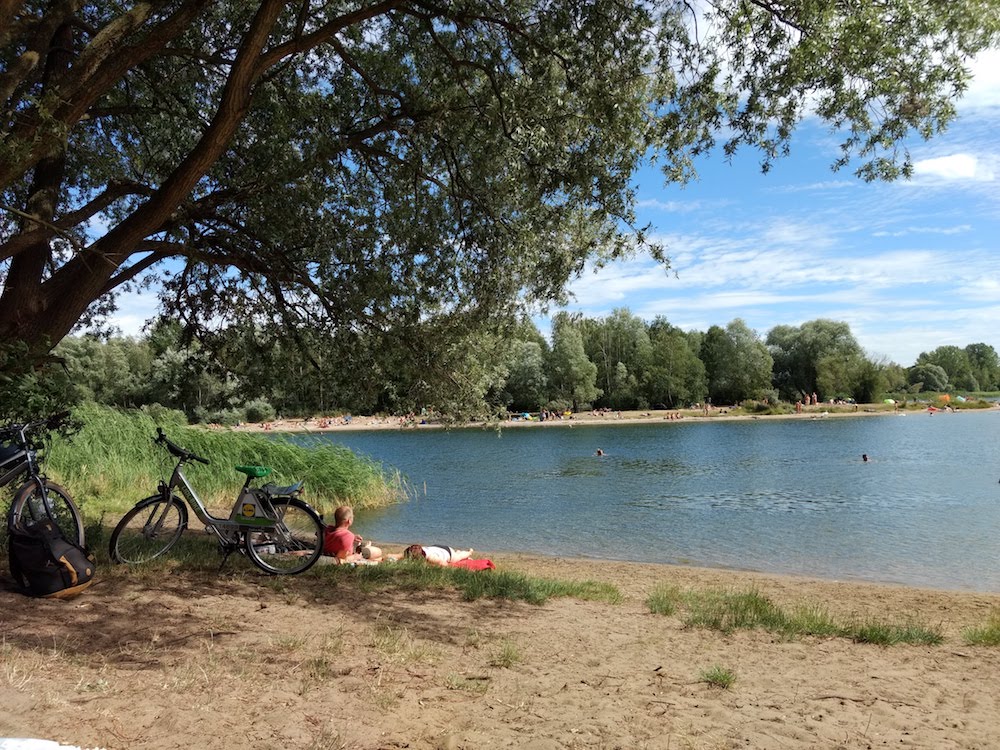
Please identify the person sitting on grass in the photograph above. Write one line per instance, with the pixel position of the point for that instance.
(436, 554)
(343, 544)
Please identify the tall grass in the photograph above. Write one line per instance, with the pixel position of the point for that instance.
(112, 462)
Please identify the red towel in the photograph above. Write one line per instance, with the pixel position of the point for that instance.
(470, 564)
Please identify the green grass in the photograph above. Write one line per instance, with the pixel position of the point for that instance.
(718, 677)
(507, 655)
(473, 585)
(984, 635)
(726, 611)
(112, 462)
(891, 634)
(665, 599)
(198, 554)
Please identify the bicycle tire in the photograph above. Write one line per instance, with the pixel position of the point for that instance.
(30, 506)
(148, 531)
(293, 545)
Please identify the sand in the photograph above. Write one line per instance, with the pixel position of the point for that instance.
(239, 660)
(344, 422)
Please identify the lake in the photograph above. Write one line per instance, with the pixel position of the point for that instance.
(779, 496)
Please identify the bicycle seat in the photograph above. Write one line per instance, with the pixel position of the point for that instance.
(275, 491)
(254, 471)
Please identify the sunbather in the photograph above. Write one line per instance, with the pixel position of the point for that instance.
(437, 554)
(343, 544)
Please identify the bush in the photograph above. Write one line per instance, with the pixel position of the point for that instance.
(258, 411)
(226, 417)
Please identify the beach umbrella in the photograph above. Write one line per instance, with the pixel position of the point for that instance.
(888, 401)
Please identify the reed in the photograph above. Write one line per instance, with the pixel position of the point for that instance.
(112, 462)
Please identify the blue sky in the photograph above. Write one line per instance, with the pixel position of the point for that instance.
(910, 265)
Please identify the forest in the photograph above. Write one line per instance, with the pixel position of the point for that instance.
(355, 205)
(616, 362)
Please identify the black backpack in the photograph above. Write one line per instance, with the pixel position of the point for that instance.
(44, 563)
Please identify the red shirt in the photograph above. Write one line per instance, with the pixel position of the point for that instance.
(338, 541)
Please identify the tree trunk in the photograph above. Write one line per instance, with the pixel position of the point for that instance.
(40, 313)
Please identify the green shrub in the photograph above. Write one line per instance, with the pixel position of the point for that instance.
(259, 411)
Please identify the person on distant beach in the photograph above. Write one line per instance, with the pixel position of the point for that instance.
(436, 554)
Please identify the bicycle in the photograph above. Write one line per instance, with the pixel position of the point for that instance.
(280, 533)
(37, 497)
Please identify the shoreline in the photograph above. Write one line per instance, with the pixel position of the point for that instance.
(648, 416)
(694, 570)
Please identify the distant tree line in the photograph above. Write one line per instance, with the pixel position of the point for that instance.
(616, 362)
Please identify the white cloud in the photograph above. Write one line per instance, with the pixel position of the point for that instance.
(955, 167)
(135, 309)
(673, 207)
(984, 90)
(960, 229)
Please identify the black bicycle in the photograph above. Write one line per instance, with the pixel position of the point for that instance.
(37, 497)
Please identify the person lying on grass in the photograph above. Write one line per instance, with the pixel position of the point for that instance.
(436, 554)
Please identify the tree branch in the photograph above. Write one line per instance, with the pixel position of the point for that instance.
(104, 62)
(326, 32)
(168, 249)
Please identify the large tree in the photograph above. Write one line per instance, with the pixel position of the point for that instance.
(675, 376)
(572, 376)
(985, 365)
(737, 364)
(955, 362)
(370, 165)
(619, 346)
(818, 356)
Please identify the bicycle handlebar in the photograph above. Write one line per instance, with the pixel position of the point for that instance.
(176, 450)
(48, 424)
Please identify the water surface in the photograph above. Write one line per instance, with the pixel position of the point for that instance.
(782, 496)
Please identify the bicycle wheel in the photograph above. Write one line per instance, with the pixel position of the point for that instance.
(31, 505)
(149, 530)
(293, 545)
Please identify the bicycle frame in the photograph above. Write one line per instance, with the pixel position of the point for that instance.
(252, 509)
(27, 462)
(24, 467)
(279, 532)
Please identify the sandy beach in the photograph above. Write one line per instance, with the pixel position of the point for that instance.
(239, 660)
(345, 422)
